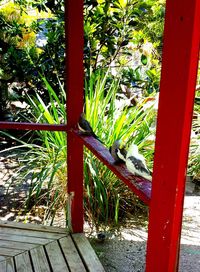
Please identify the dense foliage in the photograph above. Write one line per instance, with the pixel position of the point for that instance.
(117, 34)
(111, 28)
(21, 59)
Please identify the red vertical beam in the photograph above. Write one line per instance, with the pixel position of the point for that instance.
(177, 90)
(74, 86)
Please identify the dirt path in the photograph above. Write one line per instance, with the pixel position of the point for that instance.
(126, 252)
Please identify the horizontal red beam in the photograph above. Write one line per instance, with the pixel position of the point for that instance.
(32, 126)
(140, 186)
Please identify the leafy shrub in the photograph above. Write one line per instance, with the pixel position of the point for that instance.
(43, 160)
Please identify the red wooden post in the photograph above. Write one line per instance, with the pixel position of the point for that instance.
(177, 90)
(74, 86)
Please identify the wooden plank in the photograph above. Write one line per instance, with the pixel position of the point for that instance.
(3, 258)
(9, 251)
(71, 254)
(16, 245)
(31, 233)
(87, 253)
(25, 239)
(56, 257)
(7, 265)
(23, 262)
(39, 259)
(29, 226)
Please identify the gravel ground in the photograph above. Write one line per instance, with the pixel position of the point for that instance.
(126, 252)
(121, 252)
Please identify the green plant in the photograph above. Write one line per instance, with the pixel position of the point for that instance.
(112, 118)
(111, 29)
(194, 161)
(194, 155)
(18, 55)
(43, 158)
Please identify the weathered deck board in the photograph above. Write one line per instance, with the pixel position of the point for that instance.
(23, 262)
(24, 239)
(29, 226)
(39, 260)
(31, 233)
(2, 258)
(71, 254)
(56, 257)
(7, 265)
(34, 248)
(87, 253)
(15, 244)
(6, 251)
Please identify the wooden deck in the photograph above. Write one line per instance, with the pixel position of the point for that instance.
(33, 248)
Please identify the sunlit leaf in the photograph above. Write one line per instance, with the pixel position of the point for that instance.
(123, 3)
(144, 59)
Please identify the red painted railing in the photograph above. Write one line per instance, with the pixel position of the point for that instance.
(32, 126)
(140, 186)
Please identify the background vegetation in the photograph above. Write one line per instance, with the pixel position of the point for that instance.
(122, 59)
